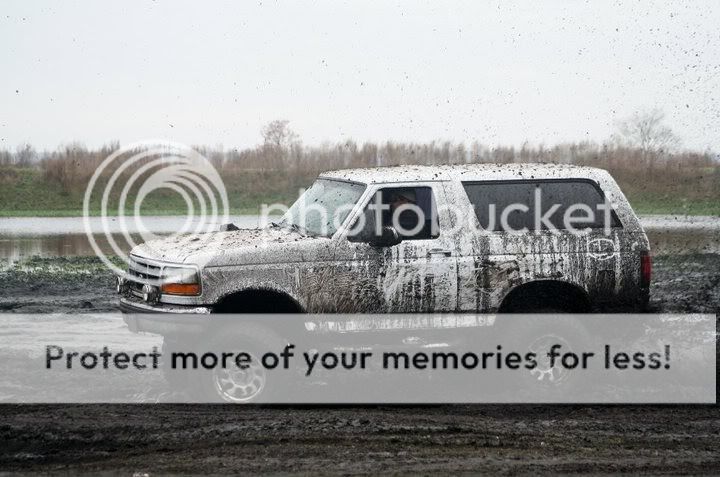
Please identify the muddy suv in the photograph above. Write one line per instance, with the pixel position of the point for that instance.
(409, 239)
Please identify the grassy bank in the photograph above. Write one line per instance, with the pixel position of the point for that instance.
(25, 192)
(641, 207)
(660, 205)
(96, 212)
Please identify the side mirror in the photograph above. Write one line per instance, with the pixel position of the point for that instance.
(384, 237)
(387, 238)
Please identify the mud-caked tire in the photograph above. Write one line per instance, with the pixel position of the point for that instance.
(537, 335)
(254, 384)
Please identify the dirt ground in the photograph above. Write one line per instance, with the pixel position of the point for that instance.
(150, 439)
(504, 439)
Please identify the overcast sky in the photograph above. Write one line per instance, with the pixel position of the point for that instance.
(213, 73)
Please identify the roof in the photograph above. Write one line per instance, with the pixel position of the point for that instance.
(468, 172)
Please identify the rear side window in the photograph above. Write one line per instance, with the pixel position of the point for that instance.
(523, 203)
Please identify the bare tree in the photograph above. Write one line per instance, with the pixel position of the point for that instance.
(278, 140)
(25, 155)
(6, 158)
(278, 134)
(646, 131)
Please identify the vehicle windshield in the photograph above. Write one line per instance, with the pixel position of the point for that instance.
(322, 209)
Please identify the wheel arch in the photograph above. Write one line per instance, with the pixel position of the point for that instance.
(261, 299)
(548, 292)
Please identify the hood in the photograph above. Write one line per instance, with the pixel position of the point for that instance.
(228, 248)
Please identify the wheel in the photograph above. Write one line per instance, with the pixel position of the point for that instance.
(538, 335)
(233, 384)
(240, 386)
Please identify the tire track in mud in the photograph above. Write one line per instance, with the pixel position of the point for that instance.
(342, 440)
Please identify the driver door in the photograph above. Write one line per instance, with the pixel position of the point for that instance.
(416, 275)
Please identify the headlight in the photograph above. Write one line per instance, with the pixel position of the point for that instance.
(180, 281)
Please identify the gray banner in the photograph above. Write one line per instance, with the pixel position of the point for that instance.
(450, 358)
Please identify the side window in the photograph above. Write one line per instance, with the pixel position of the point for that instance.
(519, 201)
(490, 200)
(411, 210)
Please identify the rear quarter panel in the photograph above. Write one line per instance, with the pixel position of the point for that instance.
(606, 267)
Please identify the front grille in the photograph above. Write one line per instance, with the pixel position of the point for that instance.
(145, 271)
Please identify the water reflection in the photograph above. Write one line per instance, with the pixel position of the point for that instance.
(42, 226)
(22, 237)
(13, 249)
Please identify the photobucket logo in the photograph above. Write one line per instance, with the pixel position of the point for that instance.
(128, 176)
(414, 213)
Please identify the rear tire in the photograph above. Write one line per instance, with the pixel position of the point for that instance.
(537, 336)
(539, 297)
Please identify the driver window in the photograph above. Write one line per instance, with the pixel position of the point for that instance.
(411, 210)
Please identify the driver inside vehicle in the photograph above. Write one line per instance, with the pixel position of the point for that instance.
(411, 216)
(401, 197)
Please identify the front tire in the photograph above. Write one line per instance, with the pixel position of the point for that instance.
(238, 386)
(229, 384)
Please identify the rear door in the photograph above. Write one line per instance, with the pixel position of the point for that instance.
(512, 246)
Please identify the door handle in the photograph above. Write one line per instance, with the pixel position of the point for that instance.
(439, 251)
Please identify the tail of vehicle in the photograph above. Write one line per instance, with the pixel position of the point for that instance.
(645, 269)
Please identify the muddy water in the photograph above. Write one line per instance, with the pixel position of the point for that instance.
(65, 236)
(48, 226)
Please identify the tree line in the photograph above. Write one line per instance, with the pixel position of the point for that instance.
(641, 148)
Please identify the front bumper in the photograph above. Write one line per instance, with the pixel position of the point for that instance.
(163, 319)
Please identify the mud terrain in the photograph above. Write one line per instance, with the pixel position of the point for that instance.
(350, 440)
(681, 283)
(249, 440)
